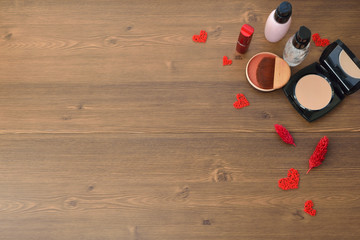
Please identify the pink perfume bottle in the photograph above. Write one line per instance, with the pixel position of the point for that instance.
(278, 22)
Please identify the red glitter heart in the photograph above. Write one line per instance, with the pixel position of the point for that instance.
(226, 61)
(291, 181)
(200, 38)
(309, 208)
(323, 42)
(241, 101)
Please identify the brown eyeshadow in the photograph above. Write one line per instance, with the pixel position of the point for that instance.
(265, 72)
(313, 92)
(261, 70)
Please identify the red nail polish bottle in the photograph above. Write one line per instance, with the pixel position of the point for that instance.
(244, 40)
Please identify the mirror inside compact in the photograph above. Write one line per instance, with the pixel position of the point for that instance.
(318, 88)
(348, 65)
(343, 66)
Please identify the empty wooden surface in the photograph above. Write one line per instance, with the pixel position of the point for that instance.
(114, 124)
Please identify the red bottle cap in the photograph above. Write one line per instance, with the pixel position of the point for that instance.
(247, 30)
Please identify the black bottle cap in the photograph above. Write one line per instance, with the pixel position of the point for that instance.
(283, 12)
(302, 37)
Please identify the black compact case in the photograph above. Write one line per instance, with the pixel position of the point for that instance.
(331, 70)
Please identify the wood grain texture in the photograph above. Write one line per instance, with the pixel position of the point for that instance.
(114, 124)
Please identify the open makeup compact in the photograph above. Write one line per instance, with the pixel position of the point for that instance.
(319, 87)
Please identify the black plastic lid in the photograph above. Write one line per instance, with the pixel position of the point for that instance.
(283, 12)
(302, 37)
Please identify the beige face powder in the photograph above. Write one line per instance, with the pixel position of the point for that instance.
(348, 65)
(313, 92)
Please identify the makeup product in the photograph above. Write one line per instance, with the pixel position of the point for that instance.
(319, 87)
(278, 22)
(297, 47)
(266, 72)
(244, 39)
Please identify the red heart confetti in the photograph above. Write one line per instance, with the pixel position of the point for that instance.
(200, 38)
(241, 101)
(291, 181)
(323, 42)
(309, 208)
(226, 61)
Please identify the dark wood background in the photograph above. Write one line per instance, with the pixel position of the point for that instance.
(114, 124)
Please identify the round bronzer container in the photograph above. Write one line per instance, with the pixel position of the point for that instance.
(318, 88)
(266, 72)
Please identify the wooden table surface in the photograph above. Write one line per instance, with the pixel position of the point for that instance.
(114, 124)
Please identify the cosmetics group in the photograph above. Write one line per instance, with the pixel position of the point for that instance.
(315, 89)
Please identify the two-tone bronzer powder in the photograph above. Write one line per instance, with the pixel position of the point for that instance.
(319, 87)
(266, 72)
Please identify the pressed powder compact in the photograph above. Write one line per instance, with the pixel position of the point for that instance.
(266, 72)
(319, 87)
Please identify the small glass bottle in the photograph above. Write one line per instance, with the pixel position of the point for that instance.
(297, 47)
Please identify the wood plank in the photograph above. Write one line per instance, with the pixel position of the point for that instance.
(157, 107)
